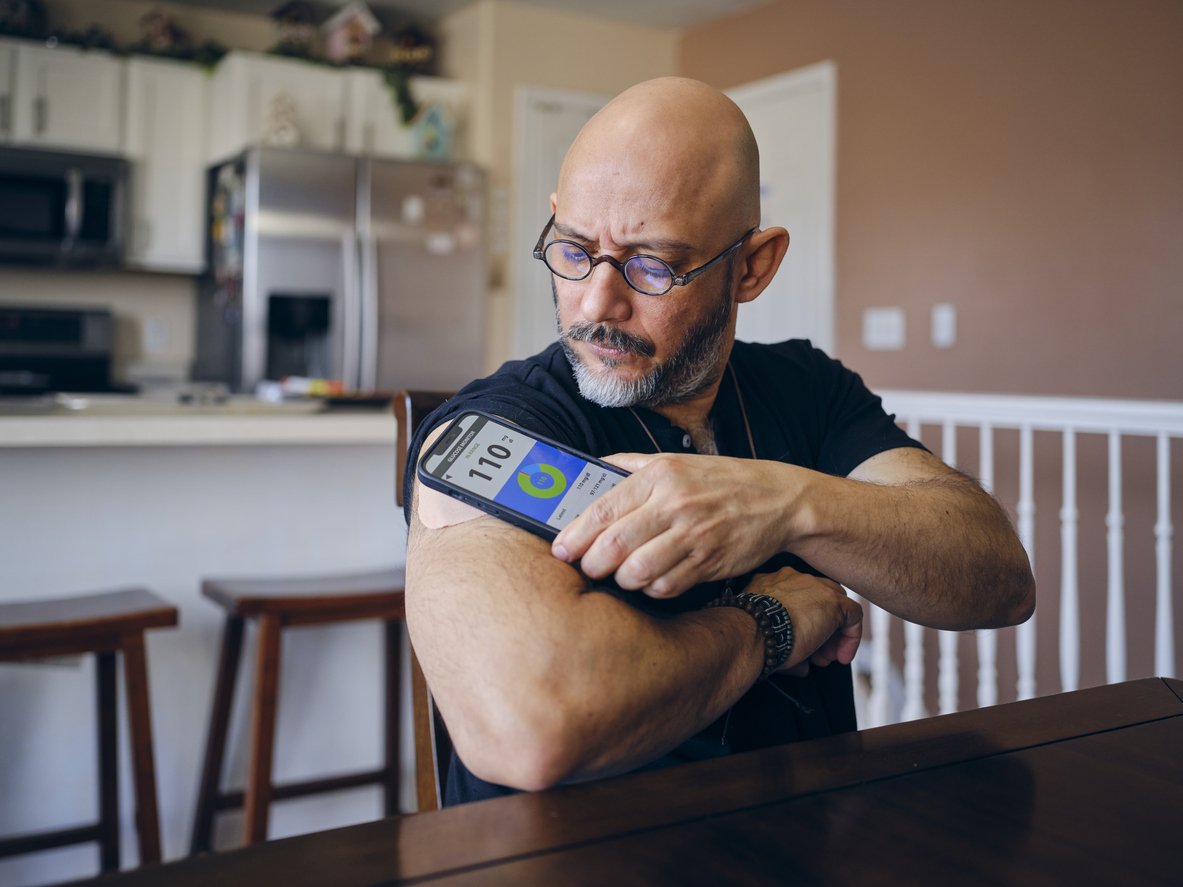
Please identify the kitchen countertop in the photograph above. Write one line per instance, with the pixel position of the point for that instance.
(131, 421)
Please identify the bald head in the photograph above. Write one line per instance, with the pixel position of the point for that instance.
(665, 151)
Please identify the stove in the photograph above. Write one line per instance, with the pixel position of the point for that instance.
(47, 349)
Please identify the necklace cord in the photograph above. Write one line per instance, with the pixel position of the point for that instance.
(743, 412)
(747, 427)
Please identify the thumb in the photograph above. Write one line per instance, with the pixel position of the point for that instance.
(630, 462)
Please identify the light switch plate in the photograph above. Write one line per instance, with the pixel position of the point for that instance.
(883, 329)
(944, 325)
(156, 336)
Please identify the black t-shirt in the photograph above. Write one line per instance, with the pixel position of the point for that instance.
(803, 408)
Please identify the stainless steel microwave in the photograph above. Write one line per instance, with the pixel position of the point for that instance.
(62, 209)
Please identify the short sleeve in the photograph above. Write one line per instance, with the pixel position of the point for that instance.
(854, 426)
(525, 393)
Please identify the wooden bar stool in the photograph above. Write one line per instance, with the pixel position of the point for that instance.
(277, 604)
(433, 745)
(105, 624)
(283, 603)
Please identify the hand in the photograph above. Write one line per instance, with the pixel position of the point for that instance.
(679, 520)
(827, 625)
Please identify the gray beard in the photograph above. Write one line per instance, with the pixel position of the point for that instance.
(689, 372)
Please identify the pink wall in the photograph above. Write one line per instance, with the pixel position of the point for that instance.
(1022, 161)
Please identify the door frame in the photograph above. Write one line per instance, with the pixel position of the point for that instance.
(525, 225)
(822, 76)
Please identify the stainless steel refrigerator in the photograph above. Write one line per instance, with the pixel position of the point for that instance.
(370, 272)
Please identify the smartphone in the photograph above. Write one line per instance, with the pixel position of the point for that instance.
(515, 474)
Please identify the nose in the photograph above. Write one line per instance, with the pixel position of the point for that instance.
(605, 296)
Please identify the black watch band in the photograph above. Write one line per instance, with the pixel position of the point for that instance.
(771, 618)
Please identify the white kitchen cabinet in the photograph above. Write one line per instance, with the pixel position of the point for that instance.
(63, 98)
(374, 125)
(165, 141)
(249, 93)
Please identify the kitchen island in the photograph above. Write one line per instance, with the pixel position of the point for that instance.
(94, 500)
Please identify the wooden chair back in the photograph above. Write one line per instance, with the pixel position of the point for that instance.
(433, 746)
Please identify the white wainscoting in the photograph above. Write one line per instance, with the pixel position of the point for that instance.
(897, 683)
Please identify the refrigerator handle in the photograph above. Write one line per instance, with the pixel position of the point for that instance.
(369, 312)
(351, 313)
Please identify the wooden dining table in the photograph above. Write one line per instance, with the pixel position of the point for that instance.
(1077, 788)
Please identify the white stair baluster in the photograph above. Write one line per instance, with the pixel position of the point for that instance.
(947, 677)
(1070, 417)
(1069, 593)
(1164, 624)
(860, 666)
(914, 706)
(913, 673)
(1115, 651)
(880, 667)
(1025, 634)
(987, 639)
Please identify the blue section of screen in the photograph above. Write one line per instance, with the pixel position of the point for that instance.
(513, 496)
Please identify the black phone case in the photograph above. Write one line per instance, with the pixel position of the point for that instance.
(523, 521)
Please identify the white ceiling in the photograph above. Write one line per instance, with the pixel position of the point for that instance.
(654, 13)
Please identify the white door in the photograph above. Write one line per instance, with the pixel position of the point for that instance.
(793, 117)
(547, 122)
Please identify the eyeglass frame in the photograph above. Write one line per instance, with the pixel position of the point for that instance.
(675, 279)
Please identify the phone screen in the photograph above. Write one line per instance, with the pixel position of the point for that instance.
(514, 470)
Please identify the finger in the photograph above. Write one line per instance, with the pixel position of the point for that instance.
(851, 634)
(821, 658)
(672, 566)
(839, 649)
(844, 642)
(631, 462)
(847, 647)
(625, 537)
(658, 565)
(574, 540)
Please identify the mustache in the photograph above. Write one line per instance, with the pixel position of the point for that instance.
(610, 337)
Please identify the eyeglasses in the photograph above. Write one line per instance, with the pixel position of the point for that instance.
(648, 275)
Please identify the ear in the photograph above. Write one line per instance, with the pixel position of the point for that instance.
(554, 203)
(765, 251)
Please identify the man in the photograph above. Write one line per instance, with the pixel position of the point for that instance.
(618, 646)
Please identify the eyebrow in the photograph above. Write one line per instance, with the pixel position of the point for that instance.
(663, 245)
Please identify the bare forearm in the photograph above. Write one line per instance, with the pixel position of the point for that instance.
(939, 552)
(543, 681)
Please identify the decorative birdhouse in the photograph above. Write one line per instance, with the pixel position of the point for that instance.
(163, 36)
(433, 132)
(349, 34)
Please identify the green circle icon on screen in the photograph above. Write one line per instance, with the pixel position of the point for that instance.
(541, 481)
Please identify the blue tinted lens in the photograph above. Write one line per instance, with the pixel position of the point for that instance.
(567, 259)
(648, 274)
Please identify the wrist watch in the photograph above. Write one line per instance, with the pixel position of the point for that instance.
(771, 618)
